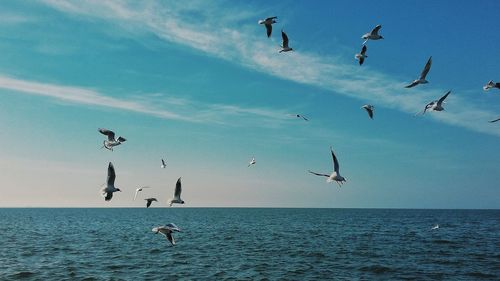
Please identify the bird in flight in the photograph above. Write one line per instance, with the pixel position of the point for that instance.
(150, 200)
(137, 190)
(111, 141)
(167, 231)
(361, 55)
(369, 108)
(335, 175)
(285, 47)
(421, 79)
(436, 105)
(491, 84)
(107, 192)
(177, 194)
(372, 35)
(268, 23)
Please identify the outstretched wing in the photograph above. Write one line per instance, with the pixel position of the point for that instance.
(269, 29)
(149, 203)
(376, 29)
(121, 139)
(285, 39)
(494, 120)
(318, 174)
(170, 238)
(426, 69)
(440, 101)
(412, 84)
(108, 196)
(109, 133)
(363, 50)
(111, 174)
(178, 189)
(369, 110)
(335, 161)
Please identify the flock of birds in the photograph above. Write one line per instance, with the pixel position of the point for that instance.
(334, 176)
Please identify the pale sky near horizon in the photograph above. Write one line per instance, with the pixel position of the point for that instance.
(199, 84)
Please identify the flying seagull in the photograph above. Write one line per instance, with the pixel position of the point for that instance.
(372, 35)
(139, 189)
(163, 164)
(284, 47)
(421, 79)
(491, 84)
(108, 144)
(252, 162)
(177, 194)
(436, 105)
(335, 176)
(107, 192)
(167, 230)
(361, 56)
(494, 120)
(298, 116)
(369, 108)
(435, 227)
(268, 23)
(150, 200)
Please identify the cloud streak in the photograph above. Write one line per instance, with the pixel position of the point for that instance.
(208, 23)
(185, 110)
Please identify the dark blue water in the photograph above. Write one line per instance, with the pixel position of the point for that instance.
(249, 244)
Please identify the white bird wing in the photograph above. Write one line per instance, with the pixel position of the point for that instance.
(178, 190)
(318, 174)
(136, 191)
(109, 133)
(111, 174)
(426, 69)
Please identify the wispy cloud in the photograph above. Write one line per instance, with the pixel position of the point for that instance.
(153, 105)
(202, 26)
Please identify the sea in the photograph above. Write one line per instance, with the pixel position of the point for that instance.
(249, 244)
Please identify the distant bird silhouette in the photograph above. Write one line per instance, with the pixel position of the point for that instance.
(285, 47)
(369, 108)
(150, 200)
(361, 56)
(490, 85)
(372, 35)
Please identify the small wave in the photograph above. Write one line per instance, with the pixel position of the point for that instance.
(443, 241)
(377, 269)
(481, 275)
(22, 274)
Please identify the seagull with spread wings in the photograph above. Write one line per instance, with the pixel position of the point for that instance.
(335, 175)
(421, 79)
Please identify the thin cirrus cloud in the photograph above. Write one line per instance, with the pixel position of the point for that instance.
(209, 22)
(152, 105)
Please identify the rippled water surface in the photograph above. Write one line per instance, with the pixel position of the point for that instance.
(249, 244)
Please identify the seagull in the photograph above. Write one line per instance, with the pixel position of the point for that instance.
(107, 192)
(421, 80)
(491, 84)
(163, 164)
(177, 194)
(150, 200)
(167, 230)
(436, 105)
(369, 108)
(435, 227)
(373, 35)
(299, 116)
(285, 47)
(139, 189)
(335, 176)
(108, 144)
(252, 162)
(494, 120)
(268, 23)
(361, 56)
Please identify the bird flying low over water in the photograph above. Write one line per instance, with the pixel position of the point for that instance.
(421, 79)
(369, 108)
(107, 192)
(163, 164)
(372, 35)
(335, 175)
(252, 162)
(177, 194)
(285, 47)
(268, 22)
(150, 200)
(137, 190)
(436, 105)
(435, 227)
(361, 56)
(167, 231)
(111, 141)
(491, 84)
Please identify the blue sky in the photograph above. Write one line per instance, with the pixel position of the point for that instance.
(200, 84)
